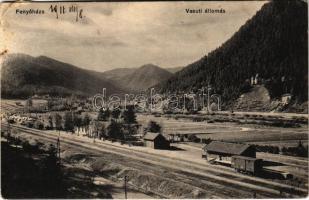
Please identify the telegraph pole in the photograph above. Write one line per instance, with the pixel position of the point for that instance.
(208, 97)
(58, 149)
(125, 187)
(9, 132)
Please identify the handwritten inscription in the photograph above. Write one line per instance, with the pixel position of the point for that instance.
(62, 10)
(57, 10)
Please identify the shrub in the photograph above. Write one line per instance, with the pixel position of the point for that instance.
(30, 148)
(39, 125)
(154, 127)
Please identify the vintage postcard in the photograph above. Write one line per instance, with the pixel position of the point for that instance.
(154, 99)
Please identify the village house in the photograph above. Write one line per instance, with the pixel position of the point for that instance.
(156, 141)
(21, 119)
(256, 80)
(83, 130)
(286, 98)
(223, 151)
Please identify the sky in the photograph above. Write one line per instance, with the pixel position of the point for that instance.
(122, 34)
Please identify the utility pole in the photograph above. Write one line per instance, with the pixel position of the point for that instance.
(9, 127)
(58, 149)
(208, 97)
(9, 132)
(125, 187)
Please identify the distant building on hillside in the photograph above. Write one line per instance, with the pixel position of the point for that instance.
(286, 98)
(255, 80)
(156, 141)
(252, 80)
(223, 151)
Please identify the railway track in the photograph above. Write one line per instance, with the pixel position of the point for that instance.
(196, 174)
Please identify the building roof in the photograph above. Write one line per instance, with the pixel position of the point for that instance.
(151, 136)
(246, 158)
(286, 95)
(226, 147)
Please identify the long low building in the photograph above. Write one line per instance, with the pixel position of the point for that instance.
(223, 151)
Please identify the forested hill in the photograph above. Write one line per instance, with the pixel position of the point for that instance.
(23, 76)
(137, 79)
(273, 44)
(145, 77)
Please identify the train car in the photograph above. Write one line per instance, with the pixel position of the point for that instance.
(246, 164)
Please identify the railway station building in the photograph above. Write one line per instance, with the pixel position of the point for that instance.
(156, 141)
(223, 151)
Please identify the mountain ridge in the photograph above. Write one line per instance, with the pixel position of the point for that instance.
(23, 75)
(273, 44)
(144, 77)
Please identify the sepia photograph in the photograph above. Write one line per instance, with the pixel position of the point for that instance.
(154, 99)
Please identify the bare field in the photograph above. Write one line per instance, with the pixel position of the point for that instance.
(255, 134)
(13, 105)
(10, 105)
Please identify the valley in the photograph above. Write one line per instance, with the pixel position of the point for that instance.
(155, 100)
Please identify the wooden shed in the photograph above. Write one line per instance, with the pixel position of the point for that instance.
(156, 141)
(223, 151)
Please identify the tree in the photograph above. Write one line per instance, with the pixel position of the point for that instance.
(50, 122)
(58, 121)
(29, 103)
(301, 150)
(77, 121)
(103, 115)
(86, 120)
(154, 127)
(101, 132)
(283, 150)
(116, 113)
(49, 104)
(115, 131)
(52, 171)
(129, 116)
(68, 121)
(129, 130)
(38, 125)
(249, 52)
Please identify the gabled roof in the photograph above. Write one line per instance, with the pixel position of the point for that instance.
(151, 136)
(226, 147)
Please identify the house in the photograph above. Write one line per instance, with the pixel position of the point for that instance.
(255, 80)
(83, 130)
(156, 141)
(223, 151)
(286, 98)
(252, 80)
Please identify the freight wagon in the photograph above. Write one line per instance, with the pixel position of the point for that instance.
(246, 164)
